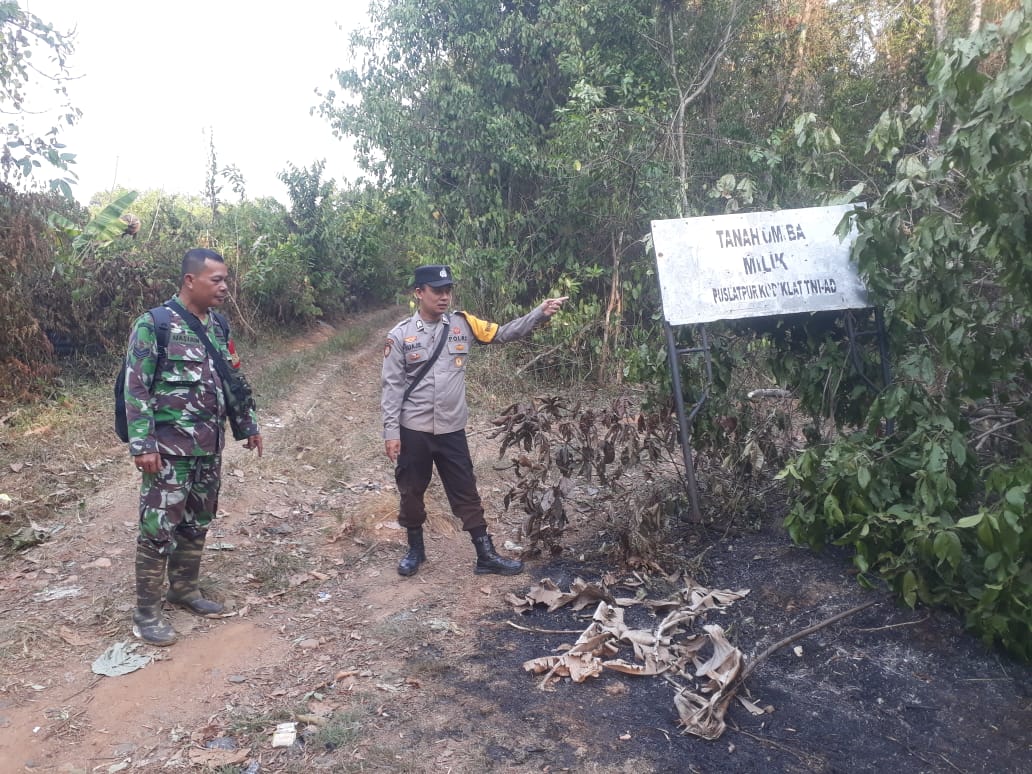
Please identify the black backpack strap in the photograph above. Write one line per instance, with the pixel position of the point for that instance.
(223, 324)
(217, 358)
(162, 319)
(162, 330)
(426, 366)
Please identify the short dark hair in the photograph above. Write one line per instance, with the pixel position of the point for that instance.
(194, 260)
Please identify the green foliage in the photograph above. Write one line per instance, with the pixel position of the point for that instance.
(277, 281)
(921, 494)
(339, 244)
(105, 227)
(25, 152)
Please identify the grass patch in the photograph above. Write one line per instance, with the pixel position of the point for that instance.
(396, 626)
(274, 380)
(273, 571)
(342, 730)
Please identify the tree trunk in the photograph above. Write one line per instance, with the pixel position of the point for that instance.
(939, 28)
(614, 310)
(800, 56)
(976, 17)
(689, 92)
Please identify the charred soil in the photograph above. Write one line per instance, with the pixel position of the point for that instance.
(425, 674)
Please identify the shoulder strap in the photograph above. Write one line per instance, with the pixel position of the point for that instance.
(427, 365)
(162, 327)
(223, 324)
(195, 325)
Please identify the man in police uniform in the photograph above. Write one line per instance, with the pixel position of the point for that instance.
(425, 412)
(176, 420)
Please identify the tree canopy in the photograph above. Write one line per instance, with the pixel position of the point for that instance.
(33, 57)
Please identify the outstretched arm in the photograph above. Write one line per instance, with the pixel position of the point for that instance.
(488, 333)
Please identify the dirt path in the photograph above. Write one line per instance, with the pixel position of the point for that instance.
(423, 674)
(310, 576)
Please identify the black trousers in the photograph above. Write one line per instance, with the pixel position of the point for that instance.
(450, 453)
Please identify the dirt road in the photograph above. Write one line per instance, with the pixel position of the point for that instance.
(423, 674)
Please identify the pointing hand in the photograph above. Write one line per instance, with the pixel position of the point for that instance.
(553, 305)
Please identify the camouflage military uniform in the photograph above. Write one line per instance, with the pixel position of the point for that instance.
(179, 413)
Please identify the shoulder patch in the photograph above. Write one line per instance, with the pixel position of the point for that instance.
(483, 331)
(387, 347)
(234, 358)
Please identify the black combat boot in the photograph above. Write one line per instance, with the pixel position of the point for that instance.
(416, 555)
(488, 560)
(184, 569)
(148, 624)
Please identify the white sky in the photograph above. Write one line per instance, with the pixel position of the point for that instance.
(156, 76)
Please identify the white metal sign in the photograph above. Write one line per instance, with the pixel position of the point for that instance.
(755, 264)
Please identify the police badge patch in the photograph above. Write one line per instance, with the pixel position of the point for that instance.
(387, 348)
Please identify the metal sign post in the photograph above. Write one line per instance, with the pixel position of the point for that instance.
(757, 264)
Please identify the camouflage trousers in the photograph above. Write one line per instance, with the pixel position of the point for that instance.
(184, 495)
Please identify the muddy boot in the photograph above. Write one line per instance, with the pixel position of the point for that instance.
(416, 555)
(184, 568)
(148, 624)
(488, 560)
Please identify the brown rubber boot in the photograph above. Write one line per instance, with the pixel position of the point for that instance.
(148, 623)
(488, 560)
(184, 569)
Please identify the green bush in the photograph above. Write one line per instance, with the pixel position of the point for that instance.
(932, 493)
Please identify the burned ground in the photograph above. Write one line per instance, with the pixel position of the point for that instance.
(425, 674)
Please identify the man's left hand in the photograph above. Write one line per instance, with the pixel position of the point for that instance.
(254, 442)
(553, 305)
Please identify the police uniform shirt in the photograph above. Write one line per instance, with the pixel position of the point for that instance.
(438, 403)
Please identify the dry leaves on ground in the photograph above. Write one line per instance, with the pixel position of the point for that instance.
(669, 648)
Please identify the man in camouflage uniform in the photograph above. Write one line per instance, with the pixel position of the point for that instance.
(176, 419)
(425, 425)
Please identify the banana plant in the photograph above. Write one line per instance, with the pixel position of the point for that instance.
(104, 228)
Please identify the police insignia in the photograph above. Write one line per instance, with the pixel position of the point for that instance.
(410, 339)
(387, 348)
(456, 330)
(458, 362)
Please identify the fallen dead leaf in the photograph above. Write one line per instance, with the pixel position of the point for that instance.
(753, 709)
(72, 637)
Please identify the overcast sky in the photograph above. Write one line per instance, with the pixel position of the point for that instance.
(156, 77)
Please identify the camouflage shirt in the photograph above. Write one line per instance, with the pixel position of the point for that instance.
(180, 411)
(438, 403)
